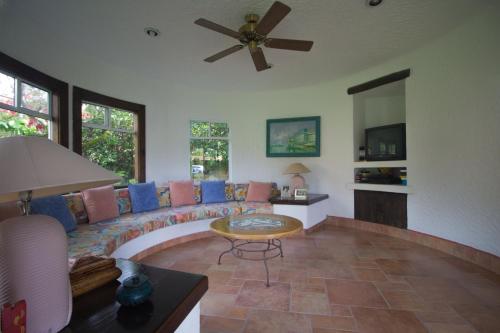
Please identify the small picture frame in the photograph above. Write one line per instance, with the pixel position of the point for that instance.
(300, 193)
(285, 191)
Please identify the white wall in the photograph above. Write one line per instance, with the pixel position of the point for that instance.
(452, 114)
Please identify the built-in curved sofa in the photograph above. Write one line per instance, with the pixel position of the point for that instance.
(132, 234)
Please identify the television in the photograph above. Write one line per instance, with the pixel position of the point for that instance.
(385, 143)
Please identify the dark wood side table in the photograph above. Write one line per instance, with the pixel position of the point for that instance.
(310, 211)
(175, 294)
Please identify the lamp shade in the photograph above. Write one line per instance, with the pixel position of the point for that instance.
(296, 168)
(45, 168)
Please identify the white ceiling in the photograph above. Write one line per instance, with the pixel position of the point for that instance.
(349, 36)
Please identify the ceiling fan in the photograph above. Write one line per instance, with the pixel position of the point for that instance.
(254, 33)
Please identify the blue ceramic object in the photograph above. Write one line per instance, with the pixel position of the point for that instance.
(134, 290)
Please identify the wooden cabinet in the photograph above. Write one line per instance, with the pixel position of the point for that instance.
(381, 207)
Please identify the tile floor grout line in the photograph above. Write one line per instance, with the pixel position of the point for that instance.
(314, 256)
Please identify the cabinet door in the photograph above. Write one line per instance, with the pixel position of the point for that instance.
(381, 207)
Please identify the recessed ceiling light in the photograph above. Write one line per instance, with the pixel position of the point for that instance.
(374, 3)
(152, 32)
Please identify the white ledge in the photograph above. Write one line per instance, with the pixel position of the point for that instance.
(380, 187)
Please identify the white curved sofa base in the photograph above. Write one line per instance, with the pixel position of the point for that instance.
(146, 241)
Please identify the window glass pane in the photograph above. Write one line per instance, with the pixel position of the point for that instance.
(93, 114)
(209, 159)
(122, 120)
(34, 99)
(13, 123)
(219, 130)
(7, 90)
(200, 128)
(111, 150)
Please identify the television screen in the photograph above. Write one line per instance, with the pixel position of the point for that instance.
(385, 143)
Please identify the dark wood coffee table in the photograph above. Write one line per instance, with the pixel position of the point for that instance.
(175, 294)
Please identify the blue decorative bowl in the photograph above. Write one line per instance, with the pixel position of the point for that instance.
(134, 290)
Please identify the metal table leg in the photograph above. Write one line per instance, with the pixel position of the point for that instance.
(270, 249)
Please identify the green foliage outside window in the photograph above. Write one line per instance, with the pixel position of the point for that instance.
(13, 123)
(209, 147)
(108, 139)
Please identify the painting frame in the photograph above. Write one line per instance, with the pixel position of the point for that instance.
(316, 152)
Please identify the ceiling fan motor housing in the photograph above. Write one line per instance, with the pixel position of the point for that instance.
(248, 34)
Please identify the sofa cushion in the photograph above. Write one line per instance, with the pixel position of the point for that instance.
(229, 189)
(197, 193)
(123, 200)
(213, 191)
(143, 197)
(74, 201)
(102, 239)
(259, 192)
(240, 192)
(163, 194)
(54, 206)
(256, 208)
(182, 193)
(100, 203)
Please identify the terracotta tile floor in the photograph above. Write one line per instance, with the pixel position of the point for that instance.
(340, 280)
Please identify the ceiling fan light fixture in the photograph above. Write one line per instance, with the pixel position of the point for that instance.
(152, 32)
(374, 3)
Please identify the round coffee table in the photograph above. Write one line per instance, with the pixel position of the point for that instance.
(254, 234)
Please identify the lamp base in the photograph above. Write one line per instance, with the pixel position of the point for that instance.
(34, 268)
(296, 182)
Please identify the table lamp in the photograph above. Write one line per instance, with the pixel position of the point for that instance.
(297, 180)
(33, 248)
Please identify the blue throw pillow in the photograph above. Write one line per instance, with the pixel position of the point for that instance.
(213, 191)
(55, 207)
(143, 197)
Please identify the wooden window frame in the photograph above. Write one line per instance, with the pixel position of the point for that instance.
(81, 96)
(58, 94)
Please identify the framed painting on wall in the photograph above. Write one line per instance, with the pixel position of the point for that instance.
(293, 137)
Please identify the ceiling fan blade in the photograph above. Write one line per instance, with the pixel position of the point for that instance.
(258, 59)
(289, 44)
(224, 53)
(274, 15)
(218, 28)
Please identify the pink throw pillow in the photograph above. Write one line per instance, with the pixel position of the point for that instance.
(182, 193)
(100, 204)
(259, 192)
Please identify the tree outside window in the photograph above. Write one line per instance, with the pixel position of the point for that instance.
(108, 139)
(24, 108)
(209, 150)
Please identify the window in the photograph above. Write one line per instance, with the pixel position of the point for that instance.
(31, 103)
(209, 150)
(24, 108)
(110, 132)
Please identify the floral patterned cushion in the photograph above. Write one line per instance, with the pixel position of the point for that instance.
(102, 239)
(197, 193)
(123, 201)
(163, 194)
(255, 207)
(229, 189)
(76, 207)
(240, 192)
